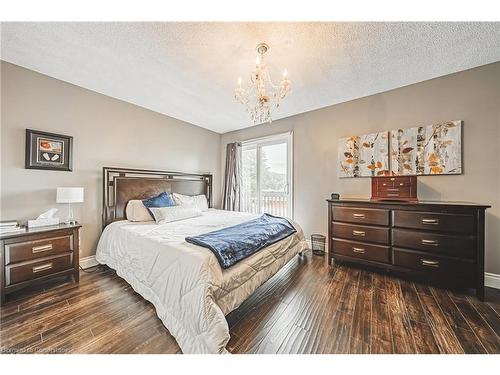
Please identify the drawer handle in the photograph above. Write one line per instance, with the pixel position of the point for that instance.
(392, 179)
(430, 242)
(39, 249)
(358, 233)
(392, 189)
(430, 221)
(401, 184)
(429, 263)
(384, 184)
(359, 216)
(392, 194)
(358, 250)
(43, 267)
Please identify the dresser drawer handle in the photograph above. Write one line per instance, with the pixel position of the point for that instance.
(429, 263)
(359, 216)
(39, 249)
(430, 242)
(43, 267)
(392, 189)
(401, 184)
(358, 250)
(358, 233)
(430, 221)
(392, 194)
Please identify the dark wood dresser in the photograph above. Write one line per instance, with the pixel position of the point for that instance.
(36, 255)
(440, 242)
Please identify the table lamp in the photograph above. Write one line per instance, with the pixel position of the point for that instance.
(70, 195)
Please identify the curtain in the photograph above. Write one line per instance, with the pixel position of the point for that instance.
(232, 194)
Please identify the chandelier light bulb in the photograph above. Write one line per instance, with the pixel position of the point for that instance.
(239, 81)
(285, 73)
(257, 60)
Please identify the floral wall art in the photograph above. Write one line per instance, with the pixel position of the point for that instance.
(364, 156)
(423, 150)
(427, 150)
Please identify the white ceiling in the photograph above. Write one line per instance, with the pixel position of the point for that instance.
(189, 70)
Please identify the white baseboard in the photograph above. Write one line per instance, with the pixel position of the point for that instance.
(492, 280)
(88, 262)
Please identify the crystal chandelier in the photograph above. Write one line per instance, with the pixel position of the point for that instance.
(262, 96)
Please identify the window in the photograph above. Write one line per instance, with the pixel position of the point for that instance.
(267, 175)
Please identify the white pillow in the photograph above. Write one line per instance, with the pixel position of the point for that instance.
(174, 213)
(136, 211)
(198, 201)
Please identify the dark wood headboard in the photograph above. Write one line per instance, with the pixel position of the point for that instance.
(120, 185)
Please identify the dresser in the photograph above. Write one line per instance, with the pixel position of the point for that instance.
(35, 255)
(438, 242)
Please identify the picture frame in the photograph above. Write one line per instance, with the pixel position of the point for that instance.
(48, 151)
(429, 150)
(364, 155)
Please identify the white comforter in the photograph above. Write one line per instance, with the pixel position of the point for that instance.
(190, 291)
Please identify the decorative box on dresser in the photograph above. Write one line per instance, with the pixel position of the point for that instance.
(439, 242)
(35, 255)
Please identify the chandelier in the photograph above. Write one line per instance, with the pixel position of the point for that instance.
(261, 96)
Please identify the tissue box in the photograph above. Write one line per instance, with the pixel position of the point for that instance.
(43, 222)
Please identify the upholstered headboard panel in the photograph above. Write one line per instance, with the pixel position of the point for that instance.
(120, 185)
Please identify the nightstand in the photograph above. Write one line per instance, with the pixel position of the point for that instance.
(35, 255)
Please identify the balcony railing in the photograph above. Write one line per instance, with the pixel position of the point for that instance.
(273, 202)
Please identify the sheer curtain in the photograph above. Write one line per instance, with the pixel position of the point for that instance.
(232, 193)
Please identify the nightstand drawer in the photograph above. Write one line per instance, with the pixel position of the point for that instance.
(31, 270)
(30, 250)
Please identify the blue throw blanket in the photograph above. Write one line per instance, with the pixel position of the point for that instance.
(232, 244)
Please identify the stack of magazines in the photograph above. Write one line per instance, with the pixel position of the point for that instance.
(10, 227)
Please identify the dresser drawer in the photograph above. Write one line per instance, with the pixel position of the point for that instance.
(448, 244)
(17, 273)
(361, 250)
(361, 215)
(29, 250)
(361, 232)
(433, 264)
(454, 223)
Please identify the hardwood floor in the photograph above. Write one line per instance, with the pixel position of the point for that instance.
(308, 307)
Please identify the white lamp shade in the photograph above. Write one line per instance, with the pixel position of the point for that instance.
(69, 195)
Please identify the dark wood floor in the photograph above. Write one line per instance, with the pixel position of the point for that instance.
(308, 307)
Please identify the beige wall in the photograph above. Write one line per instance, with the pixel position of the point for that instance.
(472, 96)
(106, 131)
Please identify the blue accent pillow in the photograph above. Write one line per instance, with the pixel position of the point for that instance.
(162, 200)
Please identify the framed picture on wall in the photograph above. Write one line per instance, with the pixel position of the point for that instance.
(48, 151)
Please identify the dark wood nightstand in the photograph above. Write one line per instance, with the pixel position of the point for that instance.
(36, 255)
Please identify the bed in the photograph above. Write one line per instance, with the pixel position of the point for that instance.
(188, 288)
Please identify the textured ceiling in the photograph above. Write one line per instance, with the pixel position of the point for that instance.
(189, 70)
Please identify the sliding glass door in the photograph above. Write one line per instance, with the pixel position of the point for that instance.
(266, 175)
